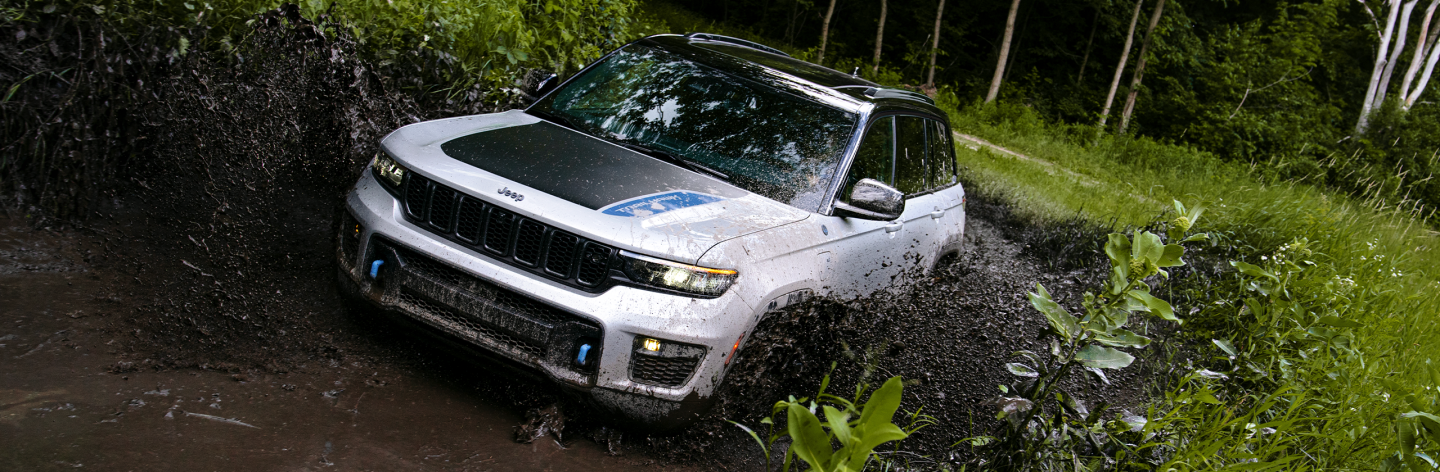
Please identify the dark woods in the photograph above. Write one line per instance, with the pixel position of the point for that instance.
(1278, 85)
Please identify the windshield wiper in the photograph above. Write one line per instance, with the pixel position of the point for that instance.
(673, 159)
(557, 119)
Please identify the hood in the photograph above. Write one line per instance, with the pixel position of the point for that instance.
(585, 185)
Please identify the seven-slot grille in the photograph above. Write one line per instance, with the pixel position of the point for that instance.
(504, 235)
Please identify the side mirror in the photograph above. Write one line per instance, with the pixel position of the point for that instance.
(873, 200)
(541, 82)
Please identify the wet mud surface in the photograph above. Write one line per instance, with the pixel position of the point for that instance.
(97, 375)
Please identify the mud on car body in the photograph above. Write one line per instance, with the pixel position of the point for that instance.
(625, 233)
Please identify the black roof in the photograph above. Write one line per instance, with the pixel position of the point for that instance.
(751, 53)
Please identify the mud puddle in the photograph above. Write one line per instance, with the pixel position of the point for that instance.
(71, 396)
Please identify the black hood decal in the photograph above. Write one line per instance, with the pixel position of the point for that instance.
(574, 166)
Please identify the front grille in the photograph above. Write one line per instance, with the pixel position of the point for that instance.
(473, 330)
(486, 314)
(668, 372)
(522, 242)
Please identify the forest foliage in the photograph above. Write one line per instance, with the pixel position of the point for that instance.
(1277, 84)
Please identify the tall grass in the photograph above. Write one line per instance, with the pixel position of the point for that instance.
(1342, 348)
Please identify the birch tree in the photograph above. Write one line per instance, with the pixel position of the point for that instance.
(1140, 68)
(1378, 70)
(935, 45)
(1426, 55)
(1120, 68)
(825, 32)
(1004, 53)
(880, 37)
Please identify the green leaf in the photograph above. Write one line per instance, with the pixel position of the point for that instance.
(1157, 307)
(1429, 424)
(1101, 357)
(1147, 247)
(1226, 346)
(881, 434)
(1339, 322)
(1021, 370)
(754, 436)
(1062, 321)
(1170, 257)
(1121, 338)
(808, 440)
(881, 406)
(839, 424)
(1253, 270)
(1119, 277)
(1197, 237)
(1118, 248)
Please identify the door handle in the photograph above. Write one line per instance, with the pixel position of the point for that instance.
(937, 214)
(894, 227)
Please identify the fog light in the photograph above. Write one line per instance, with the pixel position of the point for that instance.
(652, 344)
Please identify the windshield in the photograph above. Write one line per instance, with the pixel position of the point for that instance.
(758, 137)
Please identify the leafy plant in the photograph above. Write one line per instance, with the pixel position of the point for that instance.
(815, 426)
(1035, 433)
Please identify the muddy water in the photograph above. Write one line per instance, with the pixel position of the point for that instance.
(68, 399)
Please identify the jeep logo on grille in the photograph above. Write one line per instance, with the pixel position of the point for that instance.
(512, 194)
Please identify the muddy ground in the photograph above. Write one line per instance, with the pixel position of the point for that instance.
(167, 297)
(92, 377)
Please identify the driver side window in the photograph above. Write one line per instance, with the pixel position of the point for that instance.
(876, 157)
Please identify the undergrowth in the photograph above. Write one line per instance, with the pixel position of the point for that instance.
(1320, 343)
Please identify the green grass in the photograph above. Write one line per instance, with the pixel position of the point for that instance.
(1373, 266)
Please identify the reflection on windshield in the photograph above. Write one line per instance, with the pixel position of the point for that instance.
(767, 141)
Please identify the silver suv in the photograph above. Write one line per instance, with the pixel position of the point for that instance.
(624, 234)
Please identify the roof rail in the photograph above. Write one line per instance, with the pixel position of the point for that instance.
(736, 41)
(874, 92)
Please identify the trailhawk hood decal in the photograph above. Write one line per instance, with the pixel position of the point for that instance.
(577, 167)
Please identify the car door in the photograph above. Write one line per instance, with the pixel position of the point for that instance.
(924, 208)
(950, 214)
(865, 252)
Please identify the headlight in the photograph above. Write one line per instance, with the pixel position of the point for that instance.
(676, 276)
(388, 170)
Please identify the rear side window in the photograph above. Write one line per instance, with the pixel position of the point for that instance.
(910, 171)
(942, 155)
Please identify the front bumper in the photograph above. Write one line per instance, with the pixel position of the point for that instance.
(536, 322)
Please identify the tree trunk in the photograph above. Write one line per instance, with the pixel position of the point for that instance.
(1094, 25)
(825, 33)
(1366, 106)
(935, 44)
(1120, 68)
(1427, 40)
(1140, 68)
(1400, 37)
(1425, 78)
(880, 37)
(1004, 53)
(790, 28)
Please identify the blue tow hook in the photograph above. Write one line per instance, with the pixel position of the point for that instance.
(375, 268)
(584, 349)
